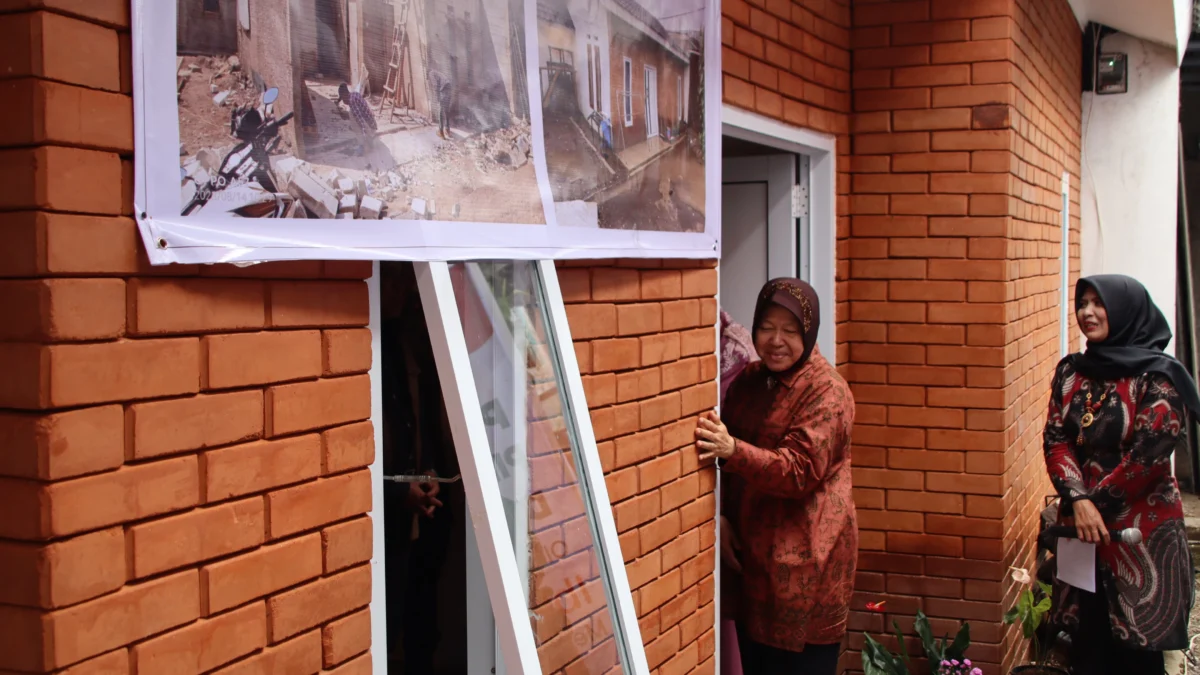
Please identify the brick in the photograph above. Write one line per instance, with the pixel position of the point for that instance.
(301, 655)
(616, 285)
(632, 385)
(56, 243)
(699, 283)
(972, 52)
(927, 502)
(929, 162)
(991, 139)
(346, 638)
(170, 306)
(929, 205)
(60, 178)
(576, 284)
(593, 320)
(659, 410)
(310, 605)
(113, 662)
(698, 341)
(118, 619)
(232, 582)
(928, 120)
(346, 351)
(930, 32)
(62, 445)
(296, 304)
(314, 504)
(58, 47)
(347, 544)
(311, 405)
(681, 314)
(59, 310)
(129, 493)
(971, 9)
(167, 543)
(637, 319)
(176, 425)
(924, 544)
(891, 143)
(85, 374)
(347, 447)
(252, 359)
(258, 466)
(204, 645)
(661, 348)
(615, 355)
(661, 284)
(889, 183)
(63, 573)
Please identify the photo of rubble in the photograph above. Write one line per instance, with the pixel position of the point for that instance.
(356, 109)
(622, 85)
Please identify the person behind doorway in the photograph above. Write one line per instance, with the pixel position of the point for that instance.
(1116, 414)
(416, 441)
(737, 351)
(789, 531)
(443, 87)
(364, 119)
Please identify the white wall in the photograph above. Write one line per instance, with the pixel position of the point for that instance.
(1130, 171)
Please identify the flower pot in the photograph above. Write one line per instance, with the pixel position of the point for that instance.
(1034, 669)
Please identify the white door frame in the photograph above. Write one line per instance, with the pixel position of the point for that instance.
(820, 239)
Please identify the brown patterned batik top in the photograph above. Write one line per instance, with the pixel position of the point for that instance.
(788, 500)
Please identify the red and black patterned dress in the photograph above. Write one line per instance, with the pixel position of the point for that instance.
(789, 501)
(1122, 463)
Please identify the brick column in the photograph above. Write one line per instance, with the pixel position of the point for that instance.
(966, 115)
(182, 472)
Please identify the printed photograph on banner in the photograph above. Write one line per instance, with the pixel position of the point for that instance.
(622, 84)
(356, 109)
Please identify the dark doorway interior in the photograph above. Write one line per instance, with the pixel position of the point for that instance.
(425, 557)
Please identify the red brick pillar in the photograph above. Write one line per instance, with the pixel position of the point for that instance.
(966, 116)
(182, 450)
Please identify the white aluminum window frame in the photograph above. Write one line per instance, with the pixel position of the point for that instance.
(1065, 299)
(503, 573)
(627, 75)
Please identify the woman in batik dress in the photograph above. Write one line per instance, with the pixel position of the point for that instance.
(1117, 412)
(784, 450)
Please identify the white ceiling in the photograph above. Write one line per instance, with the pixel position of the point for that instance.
(1167, 22)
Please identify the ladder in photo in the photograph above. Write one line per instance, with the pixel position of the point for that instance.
(398, 84)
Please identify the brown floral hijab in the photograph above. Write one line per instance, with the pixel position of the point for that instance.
(801, 300)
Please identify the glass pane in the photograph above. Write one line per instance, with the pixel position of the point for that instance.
(547, 502)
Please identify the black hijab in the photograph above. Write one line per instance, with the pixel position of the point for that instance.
(1137, 335)
(800, 299)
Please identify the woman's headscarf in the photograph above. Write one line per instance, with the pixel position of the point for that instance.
(737, 350)
(801, 300)
(1137, 335)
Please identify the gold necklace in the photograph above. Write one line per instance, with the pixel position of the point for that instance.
(1089, 413)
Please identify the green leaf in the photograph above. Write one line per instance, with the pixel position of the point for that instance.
(958, 649)
(1046, 588)
(900, 640)
(1011, 615)
(877, 660)
(921, 625)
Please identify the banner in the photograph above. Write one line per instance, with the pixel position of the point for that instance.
(426, 129)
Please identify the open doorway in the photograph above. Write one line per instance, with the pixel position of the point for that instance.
(424, 519)
(764, 231)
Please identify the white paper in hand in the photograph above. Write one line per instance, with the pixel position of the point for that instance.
(1077, 563)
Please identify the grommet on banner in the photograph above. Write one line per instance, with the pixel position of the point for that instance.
(162, 243)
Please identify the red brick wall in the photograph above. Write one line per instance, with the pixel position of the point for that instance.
(645, 337)
(182, 475)
(966, 115)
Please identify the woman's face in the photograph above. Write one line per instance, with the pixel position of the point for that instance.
(778, 339)
(1092, 316)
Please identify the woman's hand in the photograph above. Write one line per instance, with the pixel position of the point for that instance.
(730, 546)
(1088, 523)
(712, 438)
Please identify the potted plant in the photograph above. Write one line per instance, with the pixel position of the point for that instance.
(1030, 610)
(950, 657)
